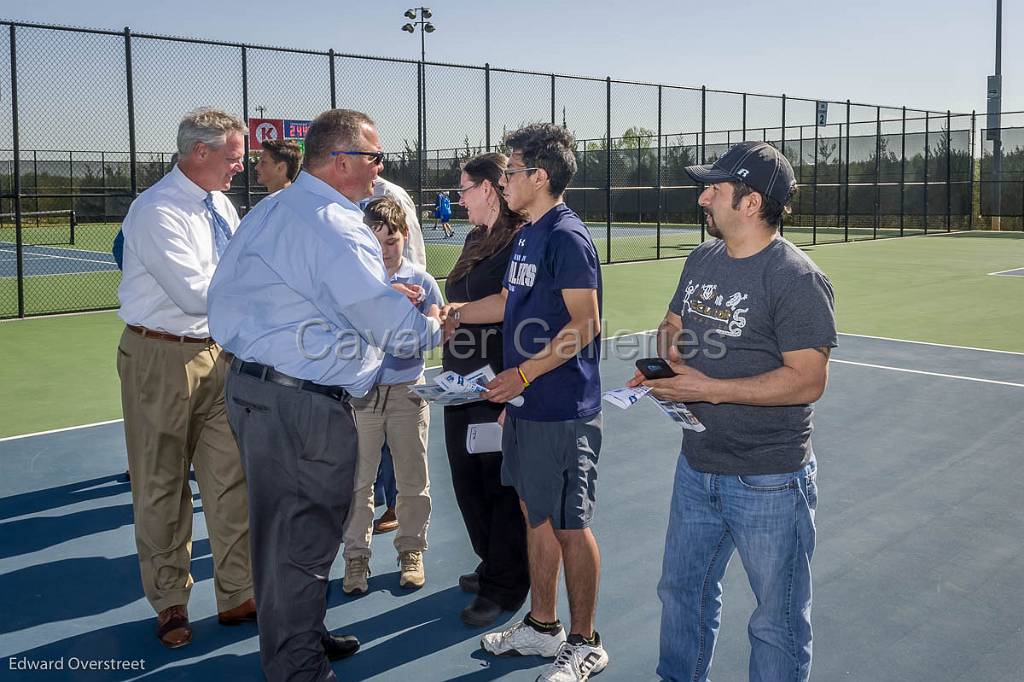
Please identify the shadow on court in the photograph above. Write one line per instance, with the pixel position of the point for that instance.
(917, 570)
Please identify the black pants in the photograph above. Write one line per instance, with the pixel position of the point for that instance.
(490, 510)
(299, 451)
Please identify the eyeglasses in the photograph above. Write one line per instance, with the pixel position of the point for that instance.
(509, 172)
(462, 190)
(378, 157)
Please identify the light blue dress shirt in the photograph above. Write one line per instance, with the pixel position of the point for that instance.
(302, 288)
(397, 370)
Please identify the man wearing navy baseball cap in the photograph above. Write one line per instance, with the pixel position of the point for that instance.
(759, 323)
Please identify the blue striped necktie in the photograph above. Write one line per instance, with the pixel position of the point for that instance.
(221, 231)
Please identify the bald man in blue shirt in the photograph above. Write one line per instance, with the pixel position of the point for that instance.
(301, 298)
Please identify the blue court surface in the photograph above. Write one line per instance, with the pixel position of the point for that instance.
(40, 261)
(918, 567)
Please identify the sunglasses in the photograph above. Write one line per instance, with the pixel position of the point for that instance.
(378, 157)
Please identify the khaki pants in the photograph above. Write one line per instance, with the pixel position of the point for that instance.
(391, 411)
(172, 395)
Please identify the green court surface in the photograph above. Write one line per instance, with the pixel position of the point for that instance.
(59, 371)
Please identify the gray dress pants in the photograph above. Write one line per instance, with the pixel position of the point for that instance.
(299, 451)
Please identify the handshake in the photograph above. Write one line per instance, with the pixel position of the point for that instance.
(447, 315)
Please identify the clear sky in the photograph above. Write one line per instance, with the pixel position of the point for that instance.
(926, 53)
(931, 54)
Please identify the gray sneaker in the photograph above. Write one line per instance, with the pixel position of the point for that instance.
(357, 570)
(522, 640)
(576, 661)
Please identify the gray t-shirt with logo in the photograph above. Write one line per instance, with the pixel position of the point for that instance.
(739, 316)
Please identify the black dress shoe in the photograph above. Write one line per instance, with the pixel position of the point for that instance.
(481, 612)
(470, 582)
(340, 646)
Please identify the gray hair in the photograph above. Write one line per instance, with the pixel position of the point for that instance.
(332, 130)
(209, 126)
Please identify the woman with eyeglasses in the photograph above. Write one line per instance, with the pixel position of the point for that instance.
(490, 510)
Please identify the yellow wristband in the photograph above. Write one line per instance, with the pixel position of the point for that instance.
(526, 382)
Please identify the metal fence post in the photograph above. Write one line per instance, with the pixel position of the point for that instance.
(245, 115)
(846, 188)
(949, 160)
(132, 151)
(657, 235)
(903, 170)
(782, 148)
(420, 152)
(487, 104)
(839, 175)
(703, 154)
(552, 98)
(970, 218)
(814, 190)
(927, 158)
(19, 255)
(334, 93)
(745, 117)
(608, 179)
(878, 170)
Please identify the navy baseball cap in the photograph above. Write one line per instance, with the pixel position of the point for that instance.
(757, 164)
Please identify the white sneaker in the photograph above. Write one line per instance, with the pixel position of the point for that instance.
(522, 640)
(576, 663)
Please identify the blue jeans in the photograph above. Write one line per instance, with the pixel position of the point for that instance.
(385, 489)
(770, 521)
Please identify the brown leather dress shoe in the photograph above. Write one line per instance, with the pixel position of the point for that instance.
(172, 627)
(387, 522)
(243, 613)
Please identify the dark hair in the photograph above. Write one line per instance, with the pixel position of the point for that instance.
(285, 151)
(547, 146)
(331, 130)
(385, 212)
(772, 211)
(482, 243)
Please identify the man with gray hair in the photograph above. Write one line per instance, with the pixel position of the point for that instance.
(172, 379)
(302, 300)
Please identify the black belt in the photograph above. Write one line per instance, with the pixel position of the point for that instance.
(264, 373)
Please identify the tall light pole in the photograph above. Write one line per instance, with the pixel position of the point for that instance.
(418, 17)
(994, 123)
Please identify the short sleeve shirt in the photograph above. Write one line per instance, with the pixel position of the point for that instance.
(739, 316)
(552, 254)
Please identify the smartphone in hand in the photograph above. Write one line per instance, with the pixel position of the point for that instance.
(655, 368)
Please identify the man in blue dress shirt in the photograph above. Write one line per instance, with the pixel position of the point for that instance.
(302, 299)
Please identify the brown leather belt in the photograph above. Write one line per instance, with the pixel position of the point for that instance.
(152, 334)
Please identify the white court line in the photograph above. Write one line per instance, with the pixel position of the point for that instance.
(48, 255)
(929, 343)
(931, 374)
(115, 421)
(1003, 272)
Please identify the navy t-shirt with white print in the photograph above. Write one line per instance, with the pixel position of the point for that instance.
(550, 255)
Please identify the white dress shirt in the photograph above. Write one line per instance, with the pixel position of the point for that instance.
(169, 257)
(415, 250)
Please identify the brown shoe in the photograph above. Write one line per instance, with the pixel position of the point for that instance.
(243, 613)
(172, 627)
(387, 522)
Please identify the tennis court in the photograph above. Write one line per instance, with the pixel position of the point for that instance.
(918, 439)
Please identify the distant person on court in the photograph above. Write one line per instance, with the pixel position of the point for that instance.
(303, 301)
(551, 310)
(443, 213)
(390, 410)
(490, 510)
(415, 250)
(754, 319)
(279, 164)
(172, 378)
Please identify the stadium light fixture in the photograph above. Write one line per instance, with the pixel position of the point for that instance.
(408, 28)
(425, 12)
(429, 27)
(410, 14)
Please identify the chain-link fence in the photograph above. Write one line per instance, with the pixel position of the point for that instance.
(93, 117)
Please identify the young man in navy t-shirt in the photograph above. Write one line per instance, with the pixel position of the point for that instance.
(550, 307)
